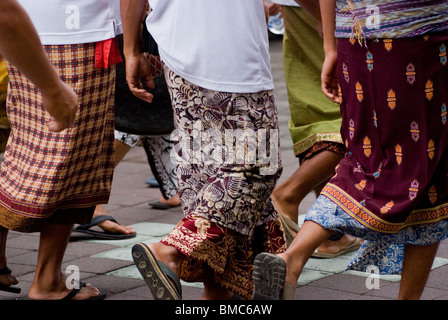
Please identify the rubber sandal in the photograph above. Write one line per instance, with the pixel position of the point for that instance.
(75, 291)
(290, 228)
(353, 247)
(269, 277)
(288, 292)
(86, 229)
(11, 289)
(161, 206)
(161, 280)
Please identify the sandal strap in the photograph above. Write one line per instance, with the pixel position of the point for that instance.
(74, 291)
(95, 221)
(5, 270)
(172, 276)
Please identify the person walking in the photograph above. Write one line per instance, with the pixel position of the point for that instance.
(388, 71)
(217, 69)
(20, 44)
(51, 180)
(315, 121)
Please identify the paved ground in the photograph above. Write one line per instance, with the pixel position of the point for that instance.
(108, 264)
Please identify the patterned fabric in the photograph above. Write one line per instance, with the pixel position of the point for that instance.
(4, 124)
(43, 172)
(129, 139)
(229, 217)
(155, 64)
(229, 254)
(314, 118)
(385, 251)
(219, 144)
(394, 97)
(390, 18)
(158, 151)
(320, 146)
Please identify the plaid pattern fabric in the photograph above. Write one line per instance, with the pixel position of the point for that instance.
(44, 171)
(155, 64)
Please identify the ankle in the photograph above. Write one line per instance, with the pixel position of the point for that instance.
(48, 282)
(167, 254)
(294, 268)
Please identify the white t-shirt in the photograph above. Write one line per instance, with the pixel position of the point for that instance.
(220, 45)
(290, 3)
(61, 22)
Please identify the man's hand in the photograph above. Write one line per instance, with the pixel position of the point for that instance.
(138, 73)
(329, 77)
(62, 106)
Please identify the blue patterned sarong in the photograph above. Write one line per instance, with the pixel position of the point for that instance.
(383, 250)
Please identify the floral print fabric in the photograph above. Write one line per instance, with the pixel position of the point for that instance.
(226, 147)
(385, 251)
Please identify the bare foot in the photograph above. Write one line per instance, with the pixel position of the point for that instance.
(8, 280)
(110, 226)
(336, 247)
(59, 291)
(172, 202)
(168, 255)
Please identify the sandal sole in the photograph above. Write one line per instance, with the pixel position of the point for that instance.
(269, 277)
(160, 286)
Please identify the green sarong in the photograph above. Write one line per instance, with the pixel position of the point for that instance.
(314, 118)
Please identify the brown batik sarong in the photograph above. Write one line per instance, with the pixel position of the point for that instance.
(225, 191)
(58, 177)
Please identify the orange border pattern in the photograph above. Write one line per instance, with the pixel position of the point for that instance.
(371, 221)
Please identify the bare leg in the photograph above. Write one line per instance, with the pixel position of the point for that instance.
(309, 237)
(417, 265)
(49, 282)
(311, 174)
(172, 202)
(169, 255)
(121, 149)
(213, 290)
(5, 279)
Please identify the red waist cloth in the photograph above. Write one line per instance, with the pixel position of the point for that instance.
(107, 53)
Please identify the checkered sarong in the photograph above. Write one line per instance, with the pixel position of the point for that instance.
(45, 172)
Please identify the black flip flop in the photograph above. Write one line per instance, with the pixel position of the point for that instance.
(86, 229)
(11, 289)
(161, 280)
(159, 205)
(75, 291)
